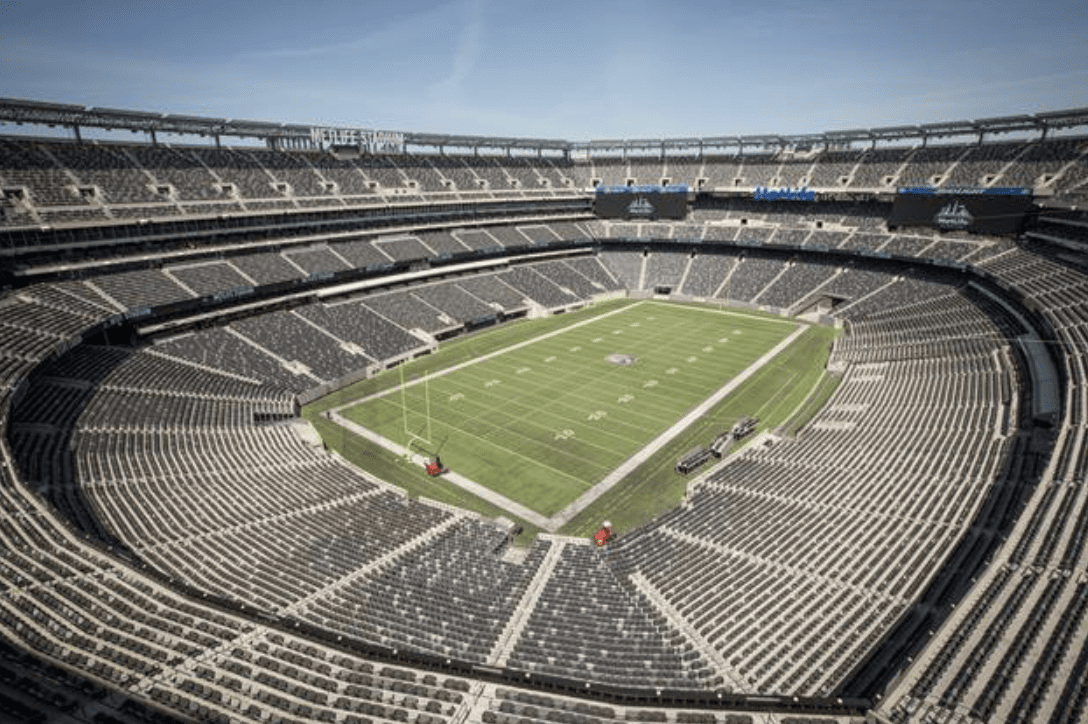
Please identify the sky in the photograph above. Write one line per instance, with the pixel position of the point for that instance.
(576, 71)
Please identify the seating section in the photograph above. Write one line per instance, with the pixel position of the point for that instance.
(626, 266)
(592, 269)
(169, 533)
(408, 311)
(206, 279)
(99, 181)
(449, 596)
(291, 338)
(708, 272)
(1012, 652)
(490, 288)
(537, 287)
(220, 349)
(379, 338)
(752, 275)
(144, 287)
(317, 260)
(797, 282)
(665, 270)
(586, 619)
(266, 268)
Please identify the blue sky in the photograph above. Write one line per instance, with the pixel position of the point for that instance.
(577, 71)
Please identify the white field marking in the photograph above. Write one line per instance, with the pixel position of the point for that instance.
(598, 339)
(625, 399)
(671, 371)
(457, 396)
(523, 370)
(605, 484)
(572, 412)
(617, 331)
(597, 415)
(492, 383)
(723, 340)
(575, 349)
(477, 360)
(472, 383)
(550, 359)
(384, 442)
(564, 434)
(693, 359)
(537, 413)
(650, 319)
(730, 313)
(708, 348)
(736, 331)
(635, 324)
(650, 383)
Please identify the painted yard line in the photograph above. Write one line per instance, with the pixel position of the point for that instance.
(496, 499)
(594, 380)
(664, 438)
(626, 387)
(496, 353)
(722, 356)
(710, 309)
(486, 410)
(675, 312)
(542, 440)
(614, 414)
(582, 483)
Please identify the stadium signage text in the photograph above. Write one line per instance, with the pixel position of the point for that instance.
(368, 141)
(641, 207)
(964, 191)
(953, 216)
(232, 294)
(671, 189)
(763, 193)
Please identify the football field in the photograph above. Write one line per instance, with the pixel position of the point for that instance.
(542, 421)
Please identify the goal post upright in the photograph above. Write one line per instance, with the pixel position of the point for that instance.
(409, 436)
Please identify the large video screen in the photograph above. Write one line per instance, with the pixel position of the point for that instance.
(987, 211)
(641, 202)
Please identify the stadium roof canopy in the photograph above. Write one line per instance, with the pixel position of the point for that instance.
(303, 136)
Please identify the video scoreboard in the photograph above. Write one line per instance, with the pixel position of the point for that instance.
(641, 202)
(998, 211)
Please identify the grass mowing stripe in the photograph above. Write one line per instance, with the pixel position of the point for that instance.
(417, 407)
(507, 432)
(512, 452)
(654, 486)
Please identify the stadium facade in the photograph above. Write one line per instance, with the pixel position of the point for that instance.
(176, 549)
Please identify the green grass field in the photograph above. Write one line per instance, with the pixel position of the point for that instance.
(544, 422)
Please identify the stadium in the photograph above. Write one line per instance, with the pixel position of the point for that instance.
(344, 424)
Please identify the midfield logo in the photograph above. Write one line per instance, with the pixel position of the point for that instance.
(954, 216)
(640, 207)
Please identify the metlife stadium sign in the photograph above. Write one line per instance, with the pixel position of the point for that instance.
(366, 140)
(641, 202)
(763, 193)
(999, 211)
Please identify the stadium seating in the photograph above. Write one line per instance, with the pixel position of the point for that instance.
(169, 534)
